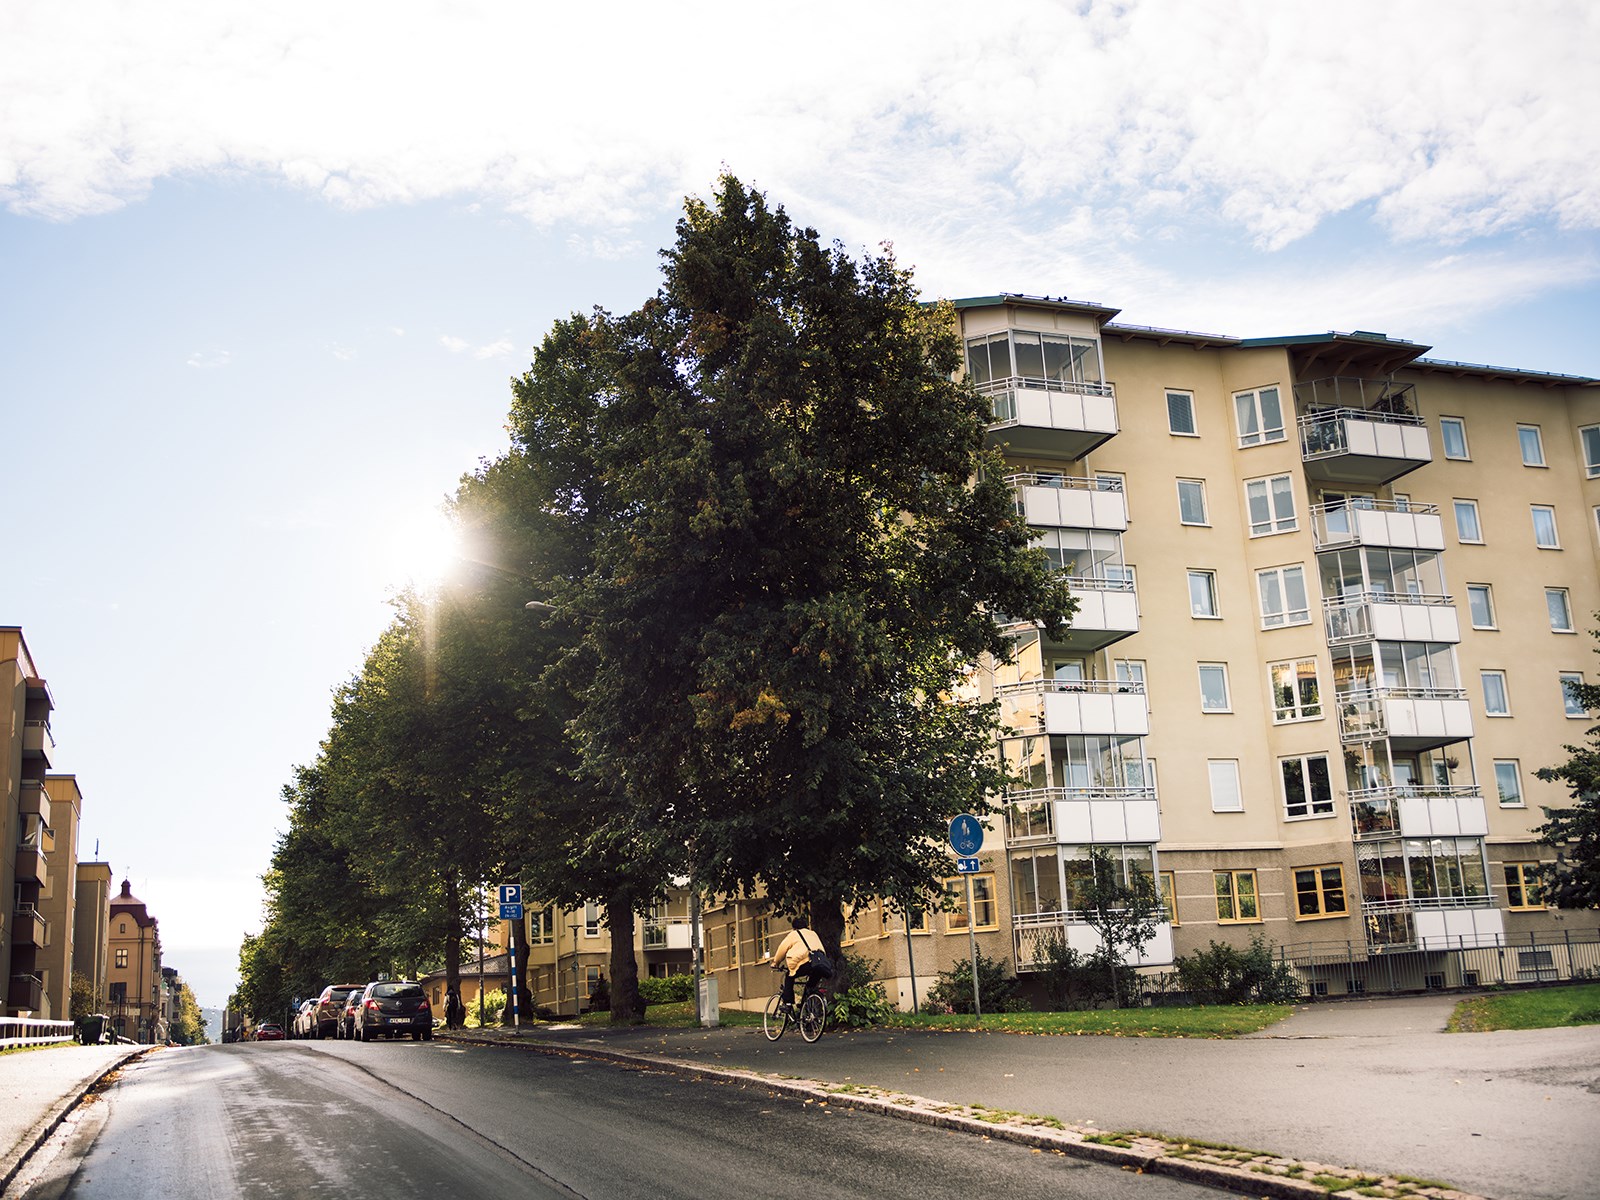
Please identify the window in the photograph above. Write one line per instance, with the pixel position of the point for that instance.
(1296, 695)
(1260, 416)
(591, 919)
(1559, 608)
(1202, 594)
(1180, 413)
(1167, 882)
(122, 927)
(119, 993)
(1508, 782)
(1467, 527)
(591, 979)
(1453, 433)
(1236, 896)
(1544, 527)
(1480, 602)
(1589, 435)
(542, 926)
(1522, 885)
(1192, 502)
(122, 958)
(1496, 700)
(1226, 795)
(983, 902)
(1214, 687)
(1531, 444)
(1319, 892)
(1307, 791)
(1570, 698)
(1271, 505)
(1283, 597)
(1130, 670)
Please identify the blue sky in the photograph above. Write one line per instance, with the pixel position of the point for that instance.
(267, 271)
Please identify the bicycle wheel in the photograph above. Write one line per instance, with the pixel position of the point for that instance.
(813, 1016)
(773, 1018)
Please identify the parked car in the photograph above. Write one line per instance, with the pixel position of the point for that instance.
(269, 1033)
(394, 1007)
(329, 1007)
(303, 1016)
(347, 1015)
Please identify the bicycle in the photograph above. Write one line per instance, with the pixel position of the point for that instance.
(810, 1016)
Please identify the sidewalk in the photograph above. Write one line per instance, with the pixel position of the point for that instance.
(39, 1087)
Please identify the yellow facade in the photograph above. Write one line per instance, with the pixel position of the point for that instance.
(133, 973)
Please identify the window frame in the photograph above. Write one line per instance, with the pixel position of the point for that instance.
(1484, 676)
(1589, 445)
(1460, 505)
(1289, 616)
(1536, 445)
(1297, 709)
(1209, 579)
(122, 958)
(1321, 890)
(1194, 417)
(1227, 692)
(1520, 800)
(1219, 801)
(1566, 605)
(1460, 425)
(1316, 808)
(958, 883)
(1264, 436)
(1535, 511)
(1198, 487)
(1527, 885)
(1567, 698)
(1234, 896)
(1276, 522)
(1487, 592)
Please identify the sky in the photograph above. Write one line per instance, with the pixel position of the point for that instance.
(266, 272)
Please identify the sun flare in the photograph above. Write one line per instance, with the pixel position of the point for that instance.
(424, 550)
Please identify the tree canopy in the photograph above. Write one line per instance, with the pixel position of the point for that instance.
(1573, 880)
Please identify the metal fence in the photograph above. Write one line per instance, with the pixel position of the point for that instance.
(1348, 969)
(25, 1031)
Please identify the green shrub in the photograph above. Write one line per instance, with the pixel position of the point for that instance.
(494, 1004)
(1223, 974)
(1073, 980)
(858, 1000)
(668, 989)
(997, 991)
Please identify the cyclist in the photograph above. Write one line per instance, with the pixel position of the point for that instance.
(801, 956)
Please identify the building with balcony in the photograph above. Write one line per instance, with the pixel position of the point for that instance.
(91, 933)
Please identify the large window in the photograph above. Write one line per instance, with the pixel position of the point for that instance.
(1480, 603)
(122, 958)
(1283, 597)
(1214, 687)
(1496, 699)
(983, 902)
(1202, 594)
(1589, 435)
(1260, 415)
(1559, 606)
(1508, 782)
(1168, 883)
(1296, 695)
(1531, 445)
(1307, 790)
(1226, 795)
(1453, 433)
(1192, 502)
(1544, 527)
(1570, 682)
(1236, 897)
(1522, 885)
(1180, 413)
(542, 925)
(1467, 527)
(591, 919)
(1043, 357)
(1319, 892)
(1271, 505)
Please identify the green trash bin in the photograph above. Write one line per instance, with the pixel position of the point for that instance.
(92, 1030)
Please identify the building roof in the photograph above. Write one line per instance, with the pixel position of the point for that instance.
(1016, 299)
(130, 905)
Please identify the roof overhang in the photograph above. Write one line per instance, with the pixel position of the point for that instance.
(1323, 355)
(1099, 312)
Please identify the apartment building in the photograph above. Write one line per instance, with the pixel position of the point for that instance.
(91, 930)
(58, 898)
(133, 974)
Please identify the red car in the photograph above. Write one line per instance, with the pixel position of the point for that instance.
(269, 1033)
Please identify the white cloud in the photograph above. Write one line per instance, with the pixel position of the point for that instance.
(206, 360)
(454, 344)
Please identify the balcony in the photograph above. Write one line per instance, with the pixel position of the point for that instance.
(1417, 812)
(1391, 617)
(1047, 418)
(1032, 932)
(669, 935)
(1458, 923)
(1362, 521)
(28, 928)
(1360, 431)
(1069, 502)
(1075, 816)
(1077, 706)
(37, 742)
(25, 993)
(1108, 611)
(1412, 719)
(35, 801)
(31, 861)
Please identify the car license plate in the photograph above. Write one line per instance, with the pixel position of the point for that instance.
(398, 1020)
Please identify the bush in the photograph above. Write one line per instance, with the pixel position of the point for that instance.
(1223, 974)
(858, 1001)
(997, 991)
(1074, 980)
(494, 1004)
(667, 989)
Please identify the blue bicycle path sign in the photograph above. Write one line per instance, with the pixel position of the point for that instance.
(966, 835)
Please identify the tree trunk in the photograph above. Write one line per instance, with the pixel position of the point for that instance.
(627, 1006)
(827, 921)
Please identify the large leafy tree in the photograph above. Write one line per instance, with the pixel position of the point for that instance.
(808, 548)
(1573, 880)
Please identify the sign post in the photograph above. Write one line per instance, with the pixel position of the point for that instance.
(511, 910)
(966, 839)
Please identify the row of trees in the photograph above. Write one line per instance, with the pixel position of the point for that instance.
(771, 543)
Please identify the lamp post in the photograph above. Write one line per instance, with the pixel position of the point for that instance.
(577, 994)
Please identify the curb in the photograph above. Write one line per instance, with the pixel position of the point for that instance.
(40, 1132)
(1269, 1176)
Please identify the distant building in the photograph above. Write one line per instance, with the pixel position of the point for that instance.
(91, 929)
(133, 999)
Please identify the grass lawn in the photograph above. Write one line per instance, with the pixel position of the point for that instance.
(1543, 1008)
(1197, 1022)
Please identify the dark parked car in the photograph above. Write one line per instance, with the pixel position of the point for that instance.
(346, 1028)
(269, 1033)
(392, 1008)
(330, 1008)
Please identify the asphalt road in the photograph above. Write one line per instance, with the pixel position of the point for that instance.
(409, 1119)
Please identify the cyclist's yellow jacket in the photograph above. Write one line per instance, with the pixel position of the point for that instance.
(795, 950)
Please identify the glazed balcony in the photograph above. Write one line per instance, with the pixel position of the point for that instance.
(1360, 431)
(28, 928)
(1391, 617)
(1070, 502)
(1071, 816)
(1076, 706)
(1362, 521)
(1033, 932)
(1439, 923)
(666, 935)
(1412, 719)
(1050, 418)
(1412, 811)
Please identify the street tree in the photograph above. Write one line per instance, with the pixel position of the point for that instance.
(1123, 909)
(1573, 880)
